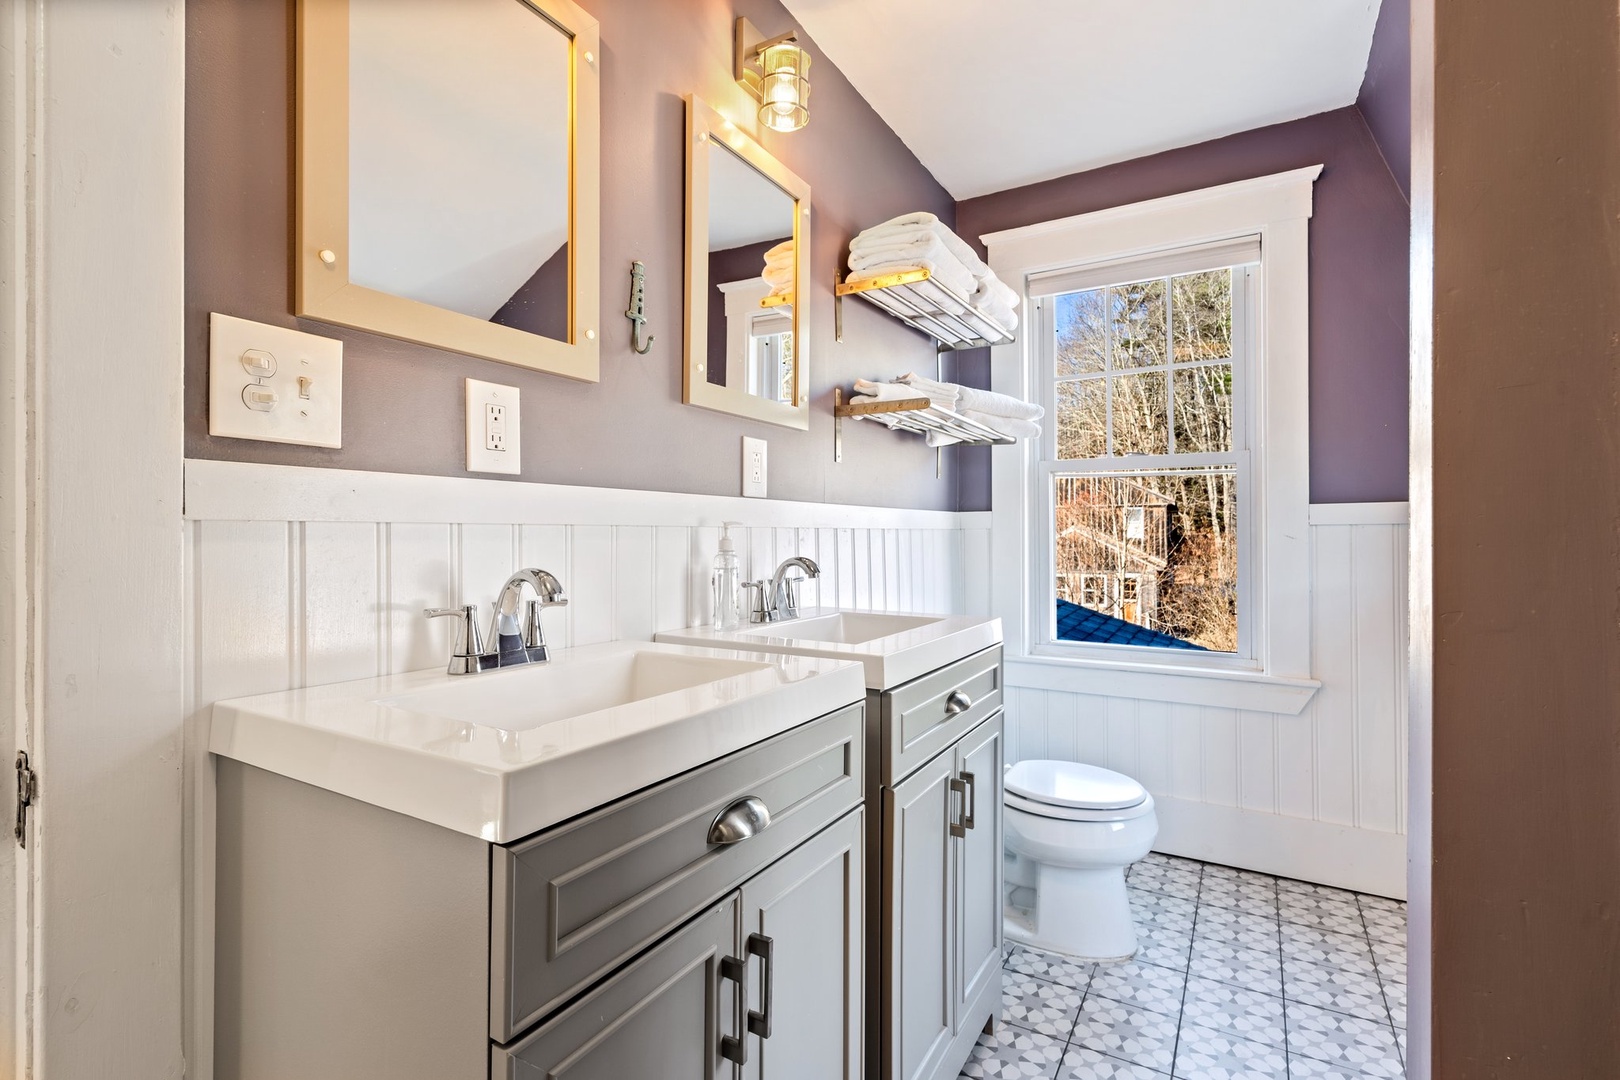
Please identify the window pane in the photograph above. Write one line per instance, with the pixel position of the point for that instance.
(1082, 419)
(1204, 409)
(1202, 306)
(1148, 559)
(1141, 414)
(1139, 324)
(1082, 332)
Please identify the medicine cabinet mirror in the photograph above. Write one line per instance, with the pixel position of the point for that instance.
(448, 176)
(747, 241)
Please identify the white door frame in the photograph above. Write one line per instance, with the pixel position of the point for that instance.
(91, 350)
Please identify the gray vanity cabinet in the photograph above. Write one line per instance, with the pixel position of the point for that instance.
(789, 939)
(938, 842)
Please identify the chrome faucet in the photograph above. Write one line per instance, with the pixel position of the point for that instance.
(778, 599)
(512, 644)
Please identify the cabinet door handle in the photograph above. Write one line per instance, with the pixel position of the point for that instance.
(970, 799)
(735, 1047)
(759, 1023)
(739, 821)
(960, 827)
(957, 702)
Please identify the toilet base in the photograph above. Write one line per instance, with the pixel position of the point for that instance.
(1080, 912)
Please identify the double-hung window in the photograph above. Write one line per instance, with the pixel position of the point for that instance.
(1143, 477)
(1155, 541)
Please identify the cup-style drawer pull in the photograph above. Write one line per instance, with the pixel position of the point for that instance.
(739, 821)
(957, 702)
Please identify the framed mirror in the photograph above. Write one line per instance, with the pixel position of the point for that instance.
(747, 250)
(448, 191)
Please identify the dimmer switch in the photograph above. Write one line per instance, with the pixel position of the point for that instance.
(273, 384)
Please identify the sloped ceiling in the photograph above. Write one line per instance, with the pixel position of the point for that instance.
(991, 96)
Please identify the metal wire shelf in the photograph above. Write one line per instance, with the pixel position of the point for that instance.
(923, 303)
(918, 415)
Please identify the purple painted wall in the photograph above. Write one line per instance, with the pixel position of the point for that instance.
(403, 402)
(1386, 91)
(1358, 369)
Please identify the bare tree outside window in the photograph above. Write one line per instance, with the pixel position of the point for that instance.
(1144, 371)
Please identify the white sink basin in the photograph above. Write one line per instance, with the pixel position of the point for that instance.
(844, 627)
(507, 753)
(892, 648)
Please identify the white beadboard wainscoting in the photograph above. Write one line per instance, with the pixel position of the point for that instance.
(1320, 795)
(299, 577)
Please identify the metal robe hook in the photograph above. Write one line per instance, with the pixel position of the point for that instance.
(637, 312)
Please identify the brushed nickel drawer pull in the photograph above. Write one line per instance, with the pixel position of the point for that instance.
(970, 800)
(739, 821)
(957, 702)
(959, 828)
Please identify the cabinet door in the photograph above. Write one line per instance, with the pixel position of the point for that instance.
(664, 1015)
(978, 936)
(802, 934)
(919, 892)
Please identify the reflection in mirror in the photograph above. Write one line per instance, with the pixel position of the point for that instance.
(751, 279)
(459, 158)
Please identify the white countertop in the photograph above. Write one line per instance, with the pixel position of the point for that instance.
(888, 660)
(506, 753)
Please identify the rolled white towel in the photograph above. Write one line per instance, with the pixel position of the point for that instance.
(1000, 314)
(886, 391)
(928, 253)
(990, 403)
(1009, 426)
(944, 395)
(993, 290)
(778, 275)
(782, 252)
(908, 227)
(939, 438)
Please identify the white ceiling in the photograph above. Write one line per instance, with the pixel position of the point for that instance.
(990, 96)
(458, 149)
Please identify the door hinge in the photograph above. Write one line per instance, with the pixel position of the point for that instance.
(27, 789)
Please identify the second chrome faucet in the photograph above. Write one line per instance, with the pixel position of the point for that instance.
(778, 599)
(511, 643)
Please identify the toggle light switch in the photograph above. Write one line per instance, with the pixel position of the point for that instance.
(258, 363)
(273, 383)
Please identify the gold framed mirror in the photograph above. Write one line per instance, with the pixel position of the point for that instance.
(448, 176)
(747, 257)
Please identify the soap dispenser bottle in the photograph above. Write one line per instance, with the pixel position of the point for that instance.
(727, 581)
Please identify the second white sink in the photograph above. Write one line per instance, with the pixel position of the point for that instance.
(892, 648)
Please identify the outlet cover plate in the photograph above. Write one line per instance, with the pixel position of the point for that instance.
(288, 364)
(755, 467)
(480, 457)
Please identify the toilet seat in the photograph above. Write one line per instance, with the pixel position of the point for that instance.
(1057, 789)
(1075, 813)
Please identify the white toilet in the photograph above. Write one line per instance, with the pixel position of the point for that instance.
(1071, 830)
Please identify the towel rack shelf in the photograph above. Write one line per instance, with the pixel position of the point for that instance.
(923, 303)
(777, 300)
(911, 414)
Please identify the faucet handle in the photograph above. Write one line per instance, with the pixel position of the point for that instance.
(534, 633)
(469, 642)
(756, 607)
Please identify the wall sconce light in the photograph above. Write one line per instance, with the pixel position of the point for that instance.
(777, 72)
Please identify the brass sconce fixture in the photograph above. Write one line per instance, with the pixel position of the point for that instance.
(777, 72)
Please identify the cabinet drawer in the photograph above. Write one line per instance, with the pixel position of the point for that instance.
(924, 716)
(571, 903)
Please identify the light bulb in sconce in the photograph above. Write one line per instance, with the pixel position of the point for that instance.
(777, 72)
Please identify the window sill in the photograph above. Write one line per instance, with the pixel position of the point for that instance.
(1247, 690)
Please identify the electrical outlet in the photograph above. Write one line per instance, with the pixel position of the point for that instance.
(494, 430)
(754, 468)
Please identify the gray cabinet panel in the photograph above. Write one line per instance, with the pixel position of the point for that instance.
(978, 939)
(919, 919)
(663, 1016)
(809, 906)
(573, 902)
(928, 715)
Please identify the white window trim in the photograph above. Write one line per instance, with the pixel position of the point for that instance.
(1278, 208)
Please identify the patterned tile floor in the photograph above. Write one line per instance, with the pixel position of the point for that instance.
(1237, 975)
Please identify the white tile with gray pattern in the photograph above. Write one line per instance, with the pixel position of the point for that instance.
(1238, 976)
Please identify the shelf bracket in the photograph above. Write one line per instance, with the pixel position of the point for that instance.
(838, 307)
(838, 425)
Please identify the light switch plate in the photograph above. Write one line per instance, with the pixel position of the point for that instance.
(754, 468)
(494, 430)
(273, 384)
